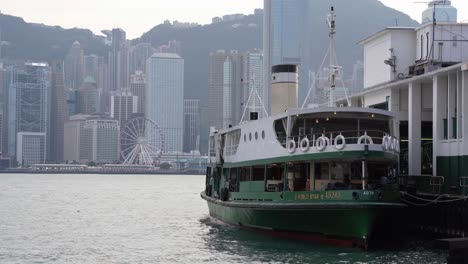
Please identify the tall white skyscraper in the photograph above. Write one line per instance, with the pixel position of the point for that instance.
(165, 97)
(253, 79)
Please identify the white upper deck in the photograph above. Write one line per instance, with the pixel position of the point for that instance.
(306, 131)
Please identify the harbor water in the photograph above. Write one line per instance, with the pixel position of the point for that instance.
(146, 219)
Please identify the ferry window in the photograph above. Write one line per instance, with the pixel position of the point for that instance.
(245, 174)
(263, 134)
(374, 127)
(258, 173)
(225, 174)
(233, 180)
(340, 171)
(356, 171)
(256, 135)
(250, 136)
(322, 171)
(208, 174)
(297, 176)
(274, 178)
(245, 137)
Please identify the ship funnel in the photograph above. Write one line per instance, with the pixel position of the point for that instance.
(284, 87)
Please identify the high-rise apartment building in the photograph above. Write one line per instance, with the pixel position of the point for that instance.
(58, 111)
(138, 56)
(88, 97)
(28, 109)
(91, 66)
(232, 89)
(191, 125)
(215, 88)
(4, 85)
(165, 97)
(138, 88)
(253, 80)
(232, 76)
(74, 66)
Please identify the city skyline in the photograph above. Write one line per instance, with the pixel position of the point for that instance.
(138, 19)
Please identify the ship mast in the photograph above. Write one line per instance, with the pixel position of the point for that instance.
(334, 69)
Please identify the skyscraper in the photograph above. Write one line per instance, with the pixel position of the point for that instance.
(191, 125)
(286, 40)
(232, 88)
(138, 88)
(215, 88)
(124, 106)
(29, 112)
(91, 66)
(100, 140)
(253, 79)
(138, 56)
(119, 61)
(58, 111)
(4, 85)
(88, 97)
(74, 66)
(165, 97)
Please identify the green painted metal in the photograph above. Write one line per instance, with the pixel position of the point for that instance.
(452, 168)
(352, 219)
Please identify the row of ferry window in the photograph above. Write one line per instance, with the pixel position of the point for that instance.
(256, 136)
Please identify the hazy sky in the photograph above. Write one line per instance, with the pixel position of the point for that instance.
(138, 16)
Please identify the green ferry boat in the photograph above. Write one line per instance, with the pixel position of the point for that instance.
(316, 173)
(324, 173)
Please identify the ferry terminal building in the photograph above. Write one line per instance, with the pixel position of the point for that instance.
(421, 74)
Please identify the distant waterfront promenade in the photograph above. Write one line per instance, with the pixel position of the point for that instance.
(104, 169)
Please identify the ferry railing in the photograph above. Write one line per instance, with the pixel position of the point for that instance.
(464, 184)
(351, 137)
(422, 183)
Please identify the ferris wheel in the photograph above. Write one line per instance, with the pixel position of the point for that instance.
(141, 142)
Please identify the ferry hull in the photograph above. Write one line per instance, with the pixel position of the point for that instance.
(352, 225)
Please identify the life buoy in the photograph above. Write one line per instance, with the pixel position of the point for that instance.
(291, 146)
(343, 142)
(321, 143)
(366, 139)
(385, 142)
(304, 145)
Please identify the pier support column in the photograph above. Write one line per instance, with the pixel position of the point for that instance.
(414, 126)
(464, 103)
(439, 113)
(395, 107)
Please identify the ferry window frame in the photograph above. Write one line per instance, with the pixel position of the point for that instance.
(245, 174)
(257, 172)
(318, 169)
(234, 186)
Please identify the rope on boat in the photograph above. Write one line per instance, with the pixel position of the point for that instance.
(429, 202)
